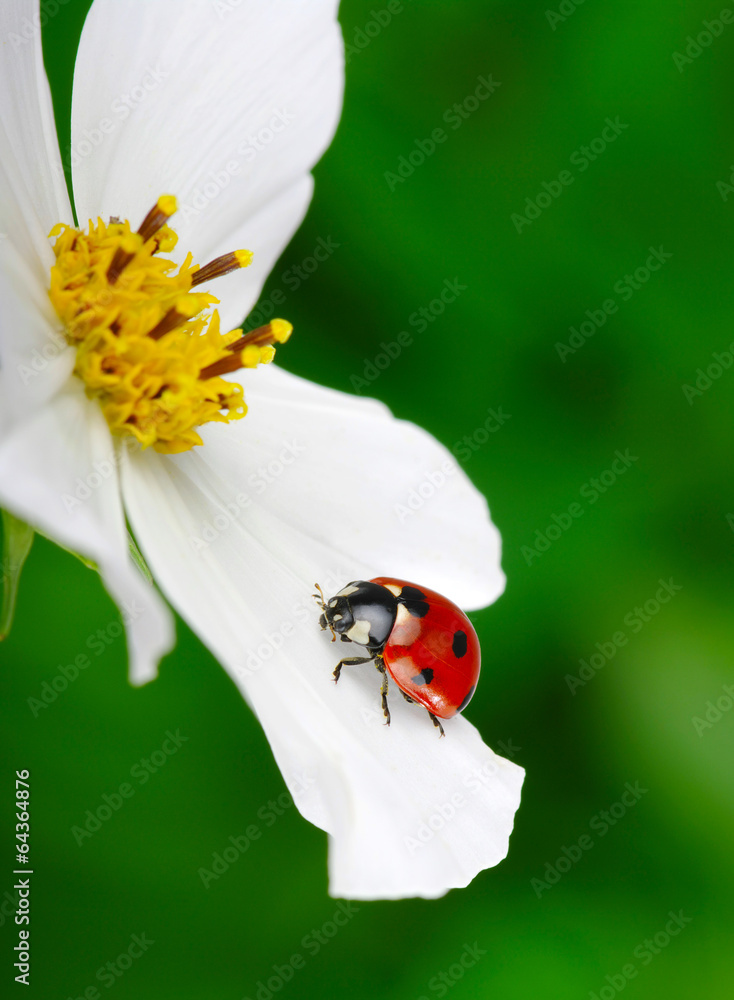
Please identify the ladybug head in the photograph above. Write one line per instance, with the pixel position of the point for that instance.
(337, 615)
(363, 612)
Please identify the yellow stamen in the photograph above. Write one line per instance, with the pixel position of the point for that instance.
(276, 331)
(221, 266)
(145, 348)
(247, 355)
(185, 309)
(157, 217)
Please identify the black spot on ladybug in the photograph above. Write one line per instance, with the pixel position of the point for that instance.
(459, 645)
(468, 698)
(414, 600)
(418, 609)
(424, 677)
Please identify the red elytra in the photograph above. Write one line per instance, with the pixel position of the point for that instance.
(436, 658)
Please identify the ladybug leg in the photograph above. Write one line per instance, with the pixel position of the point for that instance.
(379, 663)
(407, 698)
(436, 723)
(383, 692)
(349, 662)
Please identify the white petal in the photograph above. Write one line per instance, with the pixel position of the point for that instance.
(33, 195)
(408, 814)
(59, 472)
(380, 489)
(225, 111)
(35, 359)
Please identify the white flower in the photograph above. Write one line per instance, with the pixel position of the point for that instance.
(227, 107)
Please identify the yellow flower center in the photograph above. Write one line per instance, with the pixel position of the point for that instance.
(148, 347)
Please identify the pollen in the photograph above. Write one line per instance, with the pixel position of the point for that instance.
(148, 343)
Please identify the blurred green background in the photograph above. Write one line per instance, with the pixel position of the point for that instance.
(670, 515)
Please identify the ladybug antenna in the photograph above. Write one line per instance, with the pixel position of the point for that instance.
(321, 601)
(319, 598)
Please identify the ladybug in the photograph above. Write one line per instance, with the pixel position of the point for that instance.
(419, 638)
